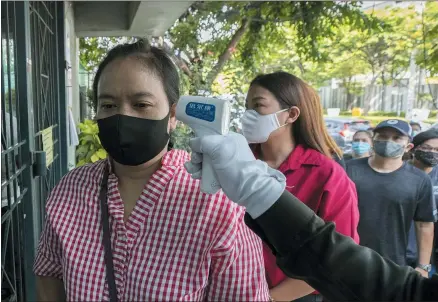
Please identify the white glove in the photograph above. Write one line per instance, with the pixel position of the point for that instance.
(248, 182)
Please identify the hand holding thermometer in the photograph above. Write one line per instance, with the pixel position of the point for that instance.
(206, 116)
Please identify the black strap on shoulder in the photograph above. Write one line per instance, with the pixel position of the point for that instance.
(103, 197)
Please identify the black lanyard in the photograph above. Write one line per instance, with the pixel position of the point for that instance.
(108, 254)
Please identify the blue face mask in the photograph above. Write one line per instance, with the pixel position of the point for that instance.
(360, 148)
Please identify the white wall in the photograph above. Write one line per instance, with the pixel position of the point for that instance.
(72, 85)
(392, 100)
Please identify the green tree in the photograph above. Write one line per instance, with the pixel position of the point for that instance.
(383, 52)
(92, 50)
(245, 31)
(180, 137)
(425, 98)
(428, 50)
(345, 66)
(428, 54)
(210, 35)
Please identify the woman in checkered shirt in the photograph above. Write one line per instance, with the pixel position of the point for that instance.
(169, 241)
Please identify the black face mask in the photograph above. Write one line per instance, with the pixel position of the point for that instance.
(132, 141)
(429, 159)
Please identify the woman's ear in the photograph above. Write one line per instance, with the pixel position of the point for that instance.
(294, 114)
(172, 118)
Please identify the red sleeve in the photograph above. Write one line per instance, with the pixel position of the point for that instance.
(48, 261)
(339, 203)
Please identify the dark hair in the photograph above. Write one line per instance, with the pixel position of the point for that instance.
(309, 129)
(153, 57)
(424, 136)
(367, 132)
(412, 123)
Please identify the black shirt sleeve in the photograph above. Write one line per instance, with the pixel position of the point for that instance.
(426, 207)
(307, 248)
(340, 161)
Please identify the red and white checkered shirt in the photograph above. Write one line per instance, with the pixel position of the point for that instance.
(178, 244)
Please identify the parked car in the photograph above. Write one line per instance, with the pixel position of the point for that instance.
(343, 129)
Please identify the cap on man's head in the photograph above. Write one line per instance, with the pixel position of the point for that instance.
(425, 136)
(399, 125)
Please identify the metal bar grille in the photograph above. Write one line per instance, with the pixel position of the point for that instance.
(30, 103)
(43, 18)
(12, 190)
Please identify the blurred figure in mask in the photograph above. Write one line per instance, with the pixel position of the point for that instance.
(425, 158)
(362, 144)
(416, 128)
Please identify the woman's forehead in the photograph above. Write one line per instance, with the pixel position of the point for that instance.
(128, 76)
(259, 94)
(257, 91)
(431, 142)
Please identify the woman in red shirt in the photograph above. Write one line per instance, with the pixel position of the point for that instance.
(284, 123)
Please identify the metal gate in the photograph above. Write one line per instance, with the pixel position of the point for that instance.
(33, 106)
(45, 73)
(12, 144)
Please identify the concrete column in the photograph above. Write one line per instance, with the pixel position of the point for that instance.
(72, 74)
(411, 87)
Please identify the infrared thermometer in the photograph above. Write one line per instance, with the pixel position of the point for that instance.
(206, 116)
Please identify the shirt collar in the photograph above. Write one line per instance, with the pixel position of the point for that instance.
(300, 156)
(172, 160)
(175, 158)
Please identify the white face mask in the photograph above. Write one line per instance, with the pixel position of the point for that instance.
(256, 127)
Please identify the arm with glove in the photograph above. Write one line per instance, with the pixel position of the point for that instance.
(306, 247)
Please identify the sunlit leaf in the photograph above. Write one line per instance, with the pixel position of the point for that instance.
(101, 153)
(94, 158)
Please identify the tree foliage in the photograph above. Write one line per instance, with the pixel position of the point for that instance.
(428, 50)
(383, 53)
(90, 149)
(212, 34)
(220, 46)
(92, 50)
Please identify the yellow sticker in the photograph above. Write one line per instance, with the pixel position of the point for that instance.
(47, 135)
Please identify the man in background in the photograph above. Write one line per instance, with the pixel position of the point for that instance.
(425, 158)
(391, 194)
(416, 128)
